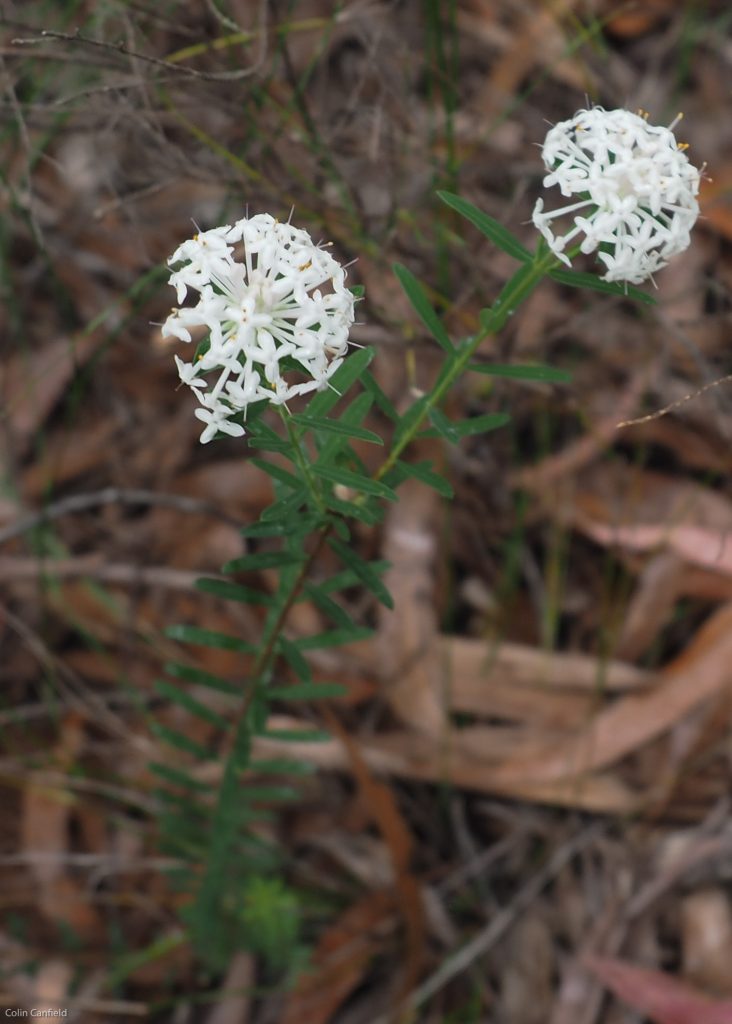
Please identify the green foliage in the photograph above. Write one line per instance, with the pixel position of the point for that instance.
(577, 279)
(270, 914)
(499, 235)
(415, 293)
(321, 488)
(453, 432)
(339, 427)
(522, 371)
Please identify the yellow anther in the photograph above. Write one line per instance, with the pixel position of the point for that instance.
(682, 145)
(306, 266)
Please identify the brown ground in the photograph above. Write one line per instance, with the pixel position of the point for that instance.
(541, 772)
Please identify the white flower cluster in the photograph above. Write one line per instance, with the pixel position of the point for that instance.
(266, 293)
(634, 183)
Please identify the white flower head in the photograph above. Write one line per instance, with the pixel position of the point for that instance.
(634, 186)
(266, 293)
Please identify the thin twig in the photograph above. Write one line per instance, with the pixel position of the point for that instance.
(89, 567)
(112, 496)
(124, 51)
(498, 925)
(674, 405)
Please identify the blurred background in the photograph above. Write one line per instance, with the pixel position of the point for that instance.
(524, 818)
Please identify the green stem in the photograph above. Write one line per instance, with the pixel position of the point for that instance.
(301, 461)
(513, 293)
(236, 751)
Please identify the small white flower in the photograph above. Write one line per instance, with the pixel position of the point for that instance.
(635, 192)
(266, 292)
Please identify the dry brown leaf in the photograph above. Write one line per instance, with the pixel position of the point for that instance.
(384, 809)
(659, 584)
(473, 664)
(706, 549)
(635, 20)
(67, 455)
(45, 838)
(706, 940)
(408, 755)
(32, 383)
(234, 999)
(407, 634)
(700, 673)
(714, 200)
(660, 997)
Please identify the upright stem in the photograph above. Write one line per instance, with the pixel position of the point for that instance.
(513, 293)
(236, 753)
(301, 461)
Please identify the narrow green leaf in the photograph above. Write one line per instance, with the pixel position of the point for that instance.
(179, 778)
(453, 431)
(284, 509)
(262, 436)
(499, 235)
(328, 606)
(198, 675)
(277, 473)
(190, 704)
(233, 591)
(522, 371)
(340, 527)
(421, 471)
(337, 427)
(294, 657)
(297, 735)
(352, 416)
(362, 484)
(443, 427)
(347, 578)
(262, 560)
(516, 290)
(411, 417)
(381, 400)
(420, 303)
(209, 638)
(270, 794)
(577, 279)
(307, 691)
(365, 572)
(279, 529)
(350, 509)
(346, 374)
(281, 766)
(182, 742)
(334, 638)
(267, 445)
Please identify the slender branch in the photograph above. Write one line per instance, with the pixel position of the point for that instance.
(265, 655)
(112, 496)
